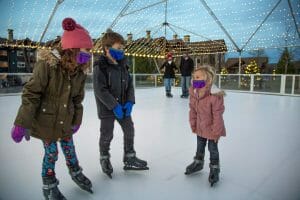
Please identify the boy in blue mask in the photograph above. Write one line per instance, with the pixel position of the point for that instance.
(114, 93)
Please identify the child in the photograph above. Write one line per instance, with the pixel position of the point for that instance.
(114, 93)
(169, 73)
(206, 120)
(51, 108)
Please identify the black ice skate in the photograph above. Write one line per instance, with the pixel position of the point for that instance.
(106, 165)
(50, 189)
(214, 174)
(195, 166)
(134, 163)
(80, 179)
(169, 95)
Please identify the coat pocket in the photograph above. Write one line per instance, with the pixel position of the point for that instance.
(46, 115)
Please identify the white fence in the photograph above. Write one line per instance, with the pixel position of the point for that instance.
(255, 83)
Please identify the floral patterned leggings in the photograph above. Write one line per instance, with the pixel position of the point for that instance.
(51, 155)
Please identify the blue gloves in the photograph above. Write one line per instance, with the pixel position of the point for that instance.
(118, 111)
(128, 108)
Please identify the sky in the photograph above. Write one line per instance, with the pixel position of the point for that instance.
(240, 18)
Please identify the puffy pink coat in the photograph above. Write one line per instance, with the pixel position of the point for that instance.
(206, 115)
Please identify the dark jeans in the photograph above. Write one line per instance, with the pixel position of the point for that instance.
(185, 85)
(212, 147)
(106, 133)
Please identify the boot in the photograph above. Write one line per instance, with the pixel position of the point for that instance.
(214, 173)
(134, 163)
(105, 164)
(168, 94)
(80, 179)
(50, 189)
(195, 166)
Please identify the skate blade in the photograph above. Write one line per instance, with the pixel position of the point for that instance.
(212, 183)
(192, 172)
(88, 189)
(187, 173)
(109, 175)
(128, 168)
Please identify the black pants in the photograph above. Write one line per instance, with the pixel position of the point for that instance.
(212, 147)
(106, 133)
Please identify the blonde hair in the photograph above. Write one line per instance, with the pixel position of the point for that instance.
(208, 70)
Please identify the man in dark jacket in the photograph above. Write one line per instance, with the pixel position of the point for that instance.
(169, 68)
(186, 69)
(114, 92)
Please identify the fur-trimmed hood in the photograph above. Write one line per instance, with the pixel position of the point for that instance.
(214, 90)
(51, 57)
(217, 91)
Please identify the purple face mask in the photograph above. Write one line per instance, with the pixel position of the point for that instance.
(198, 84)
(83, 57)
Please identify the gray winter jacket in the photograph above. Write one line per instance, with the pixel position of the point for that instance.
(112, 85)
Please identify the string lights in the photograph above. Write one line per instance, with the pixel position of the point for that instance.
(251, 68)
(239, 18)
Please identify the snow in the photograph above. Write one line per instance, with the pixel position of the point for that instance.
(259, 157)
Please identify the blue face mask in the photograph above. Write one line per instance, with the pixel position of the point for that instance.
(198, 84)
(117, 54)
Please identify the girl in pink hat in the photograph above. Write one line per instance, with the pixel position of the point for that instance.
(51, 108)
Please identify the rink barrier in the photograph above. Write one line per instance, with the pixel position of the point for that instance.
(276, 84)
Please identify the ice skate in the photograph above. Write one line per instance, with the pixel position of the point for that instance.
(168, 94)
(134, 163)
(213, 174)
(195, 166)
(106, 165)
(50, 189)
(80, 179)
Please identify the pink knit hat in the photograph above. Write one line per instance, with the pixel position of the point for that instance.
(75, 36)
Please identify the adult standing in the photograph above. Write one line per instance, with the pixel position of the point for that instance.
(169, 67)
(186, 69)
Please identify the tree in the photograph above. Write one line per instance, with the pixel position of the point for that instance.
(257, 54)
(285, 65)
(144, 65)
(251, 68)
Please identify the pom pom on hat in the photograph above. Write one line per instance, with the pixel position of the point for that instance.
(68, 24)
(75, 36)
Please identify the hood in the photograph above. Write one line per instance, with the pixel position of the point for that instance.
(51, 57)
(213, 90)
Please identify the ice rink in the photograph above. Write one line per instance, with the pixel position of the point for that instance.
(260, 157)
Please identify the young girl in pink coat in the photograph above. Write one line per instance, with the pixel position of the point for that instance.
(206, 120)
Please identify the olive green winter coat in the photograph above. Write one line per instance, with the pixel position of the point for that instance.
(52, 101)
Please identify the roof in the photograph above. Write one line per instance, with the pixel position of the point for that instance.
(159, 47)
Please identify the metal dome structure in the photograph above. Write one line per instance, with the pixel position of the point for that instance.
(244, 25)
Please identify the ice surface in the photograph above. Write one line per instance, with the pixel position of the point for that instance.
(259, 157)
